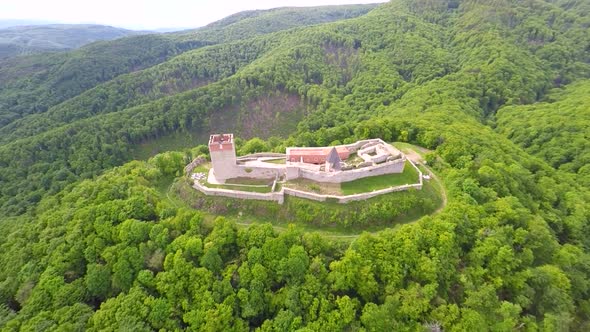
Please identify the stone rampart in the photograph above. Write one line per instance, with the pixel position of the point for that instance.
(261, 155)
(196, 162)
(280, 195)
(395, 166)
(274, 196)
(354, 147)
(349, 198)
(304, 194)
(295, 171)
(364, 196)
(291, 172)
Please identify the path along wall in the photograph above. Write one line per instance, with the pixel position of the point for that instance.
(349, 198)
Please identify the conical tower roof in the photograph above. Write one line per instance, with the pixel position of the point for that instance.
(334, 159)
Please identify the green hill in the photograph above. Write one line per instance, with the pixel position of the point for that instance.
(92, 240)
(33, 84)
(556, 130)
(29, 39)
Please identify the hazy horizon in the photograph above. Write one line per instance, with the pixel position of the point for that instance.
(148, 14)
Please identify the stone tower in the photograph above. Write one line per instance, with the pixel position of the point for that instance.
(223, 156)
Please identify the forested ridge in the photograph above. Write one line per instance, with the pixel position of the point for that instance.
(497, 89)
(556, 130)
(35, 83)
(31, 39)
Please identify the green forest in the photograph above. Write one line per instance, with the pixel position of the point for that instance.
(498, 92)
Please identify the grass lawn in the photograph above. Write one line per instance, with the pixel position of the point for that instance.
(276, 161)
(203, 168)
(409, 176)
(314, 187)
(354, 159)
(407, 147)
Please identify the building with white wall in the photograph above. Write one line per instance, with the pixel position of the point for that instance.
(378, 158)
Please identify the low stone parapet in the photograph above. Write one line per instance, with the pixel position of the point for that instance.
(396, 166)
(196, 162)
(349, 198)
(305, 194)
(262, 155)
(278, 196)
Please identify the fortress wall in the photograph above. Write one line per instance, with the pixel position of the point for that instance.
(305, 194)
(278, 196)
(223, 165)
(396, 166)
(364, 196)
(419, 172)
(349, 198)
(196, 162)
(292, 172)
(262, 155)
(230, 169)
(358, 144)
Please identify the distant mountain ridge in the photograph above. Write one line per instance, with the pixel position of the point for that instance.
(30, 39)
(34, 83)
(7, 23)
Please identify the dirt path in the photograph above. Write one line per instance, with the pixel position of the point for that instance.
(417, 159)
(443, 191)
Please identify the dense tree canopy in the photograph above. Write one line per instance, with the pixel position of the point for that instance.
(88, 241)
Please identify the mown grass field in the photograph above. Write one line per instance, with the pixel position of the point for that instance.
(408, 176)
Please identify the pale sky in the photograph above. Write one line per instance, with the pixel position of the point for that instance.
(145, 14)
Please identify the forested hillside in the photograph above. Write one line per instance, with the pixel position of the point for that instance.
(497, 89)
(557, 130)
(22, 40)
(34, 84)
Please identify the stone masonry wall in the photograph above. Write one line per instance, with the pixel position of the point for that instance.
(276, 196)
(396, 166)
(349, 198)
(262, 155)
(305, 194)
(279, 196)
(357, 197)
